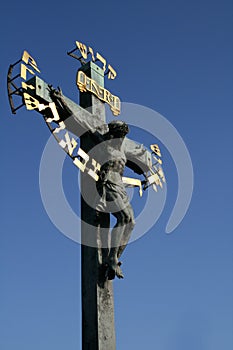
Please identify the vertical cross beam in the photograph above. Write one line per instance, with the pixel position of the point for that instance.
(98, 330)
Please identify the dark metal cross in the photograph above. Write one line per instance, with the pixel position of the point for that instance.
(98, 330)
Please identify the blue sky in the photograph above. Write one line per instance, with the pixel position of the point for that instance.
(174, 57)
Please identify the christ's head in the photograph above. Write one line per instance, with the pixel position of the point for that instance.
(118, 129)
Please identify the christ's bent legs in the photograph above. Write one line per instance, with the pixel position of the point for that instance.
(120, 235)
(104, 221)
(128, 228)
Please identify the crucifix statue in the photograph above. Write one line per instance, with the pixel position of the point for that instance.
(105, 151)
(113, 152)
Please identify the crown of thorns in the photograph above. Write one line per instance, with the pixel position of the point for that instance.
(118, 126)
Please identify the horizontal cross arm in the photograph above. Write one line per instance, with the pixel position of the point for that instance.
(138, 157)
(77, 119)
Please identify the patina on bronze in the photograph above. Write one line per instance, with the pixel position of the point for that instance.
(112, 156)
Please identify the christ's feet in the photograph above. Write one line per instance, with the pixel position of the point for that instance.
(114, 269)
(119, 272)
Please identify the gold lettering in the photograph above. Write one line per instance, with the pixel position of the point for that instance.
(82, 48)
(25, 86)
(69, 143)
(94, 88)
(61, 127)
(111, 72)
(101, 93)
(158, 161)
(161, 174)
(155, 149)
(84, 52)
(30, 61)
(85, 83)
(80, 164)
(81, 81)
(93, 172)
(88, 83)
(154, 179)
(115, 111)
(130, 182)
(53, 108)
(56, 116)
(42, 107)
(117, 103)
(30, 102)
(92, 53)
(101, 59)
(23, 71)
(116, 108)
(108, 97)
(82, 77)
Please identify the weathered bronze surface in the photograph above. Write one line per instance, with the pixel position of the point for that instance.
(113, 153)
(101, 250)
